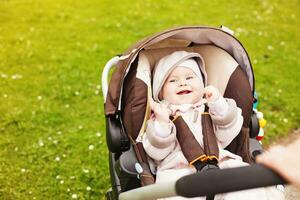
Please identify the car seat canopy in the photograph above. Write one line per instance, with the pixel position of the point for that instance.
(179, 38)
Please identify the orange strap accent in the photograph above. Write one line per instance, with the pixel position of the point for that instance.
(175, 117)
(205, 113)
(199, 158)
(211, 158)
(204, 158)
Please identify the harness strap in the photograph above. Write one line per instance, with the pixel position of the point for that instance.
(209, 138)
(146, 177)
(191, 148)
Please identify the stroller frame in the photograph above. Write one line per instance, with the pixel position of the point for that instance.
(122, 158)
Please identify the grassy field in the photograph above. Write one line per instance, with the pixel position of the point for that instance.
(52, 132)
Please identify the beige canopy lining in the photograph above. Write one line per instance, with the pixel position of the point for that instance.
(206, 35)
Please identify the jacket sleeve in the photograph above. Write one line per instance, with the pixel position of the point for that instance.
(158, 147)
(228, 126)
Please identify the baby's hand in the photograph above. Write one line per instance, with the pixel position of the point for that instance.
(211, 94)
(161, 111)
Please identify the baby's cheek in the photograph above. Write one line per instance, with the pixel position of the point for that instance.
(172, 99)
(200, 94)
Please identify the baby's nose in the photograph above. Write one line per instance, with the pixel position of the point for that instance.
(182, 82)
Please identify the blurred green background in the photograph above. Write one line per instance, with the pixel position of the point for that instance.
(52, 52)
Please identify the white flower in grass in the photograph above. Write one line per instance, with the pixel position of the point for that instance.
(39, 98)
(98, 87)
(16, 76)
(50, 138)
(29, 192)
(64, 155)
(80, 127)
(67, 106)
(77, 93)
(91, 147)
(98, 134)
(96, 92)
(16, 148)
(55, 141)
(5, 95)
(23, 170)
(57, 158)
(72, 177)
(85, 171)
(282, 43)
(4, 75)
(270, 47)
(68, 190)
(61, 182)
(57, 177)
(41, 143)
(58, 132)
(285, 120)
(88, 188)
(74, 196)
(255, 61)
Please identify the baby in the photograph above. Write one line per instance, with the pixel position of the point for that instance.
(177, 138)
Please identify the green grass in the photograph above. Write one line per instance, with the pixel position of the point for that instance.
(52, 132)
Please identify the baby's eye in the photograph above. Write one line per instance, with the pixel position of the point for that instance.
(172, 80)
(189, 77)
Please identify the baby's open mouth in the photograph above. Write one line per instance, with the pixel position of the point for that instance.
(183, 92)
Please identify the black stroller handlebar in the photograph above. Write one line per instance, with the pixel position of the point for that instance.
(227, 180)
(209, 182)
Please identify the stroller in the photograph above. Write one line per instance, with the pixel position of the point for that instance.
(228, 68)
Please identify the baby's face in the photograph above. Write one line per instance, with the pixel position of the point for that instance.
(182, 87)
